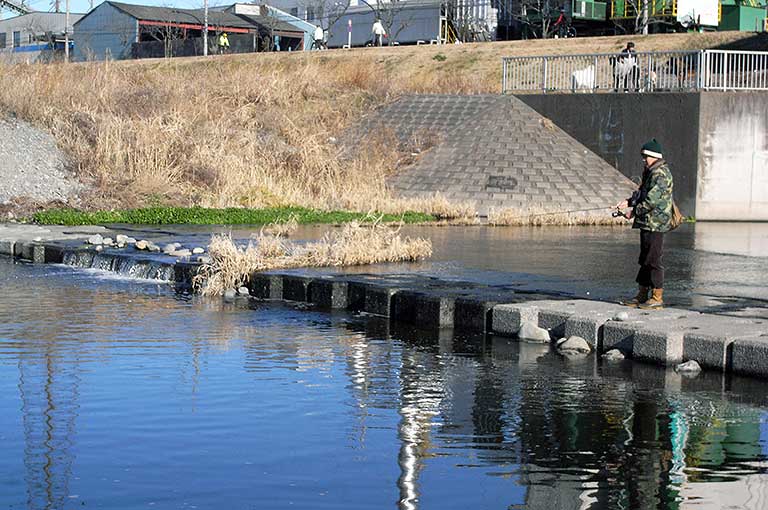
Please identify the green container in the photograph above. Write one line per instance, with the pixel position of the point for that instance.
(743, 18)
(589, 10)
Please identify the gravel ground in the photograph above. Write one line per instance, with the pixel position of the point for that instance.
(32, 166)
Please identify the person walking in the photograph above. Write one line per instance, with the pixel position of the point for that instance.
(378, 33)
(319, 39)
(223, 43)
(652, 212)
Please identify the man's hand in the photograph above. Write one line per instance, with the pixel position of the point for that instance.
(622, 205)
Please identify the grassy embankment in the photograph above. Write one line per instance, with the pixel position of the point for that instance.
(258, 130)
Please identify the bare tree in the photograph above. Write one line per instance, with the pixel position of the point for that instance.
(326, 12)
(536, 16)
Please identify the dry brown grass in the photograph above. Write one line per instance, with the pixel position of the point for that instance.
(354, 243)
(257, 130)
(539, 216)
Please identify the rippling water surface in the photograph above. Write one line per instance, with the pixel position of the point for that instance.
(121, 394)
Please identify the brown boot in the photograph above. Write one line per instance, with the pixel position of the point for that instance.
(656, 300)
(639, 299)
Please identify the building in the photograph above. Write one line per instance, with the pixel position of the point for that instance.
(34, 36)
(115, 30)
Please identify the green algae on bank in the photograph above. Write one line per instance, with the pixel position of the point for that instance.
(230, 216)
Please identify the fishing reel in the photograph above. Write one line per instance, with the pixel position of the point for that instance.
(618, 213)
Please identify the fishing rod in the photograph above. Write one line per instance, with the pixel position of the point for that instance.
(615, 213)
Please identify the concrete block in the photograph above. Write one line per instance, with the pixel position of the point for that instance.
(621, 334)
(295, 287)
(588, 327)
(473, 314)
(427, 310)
(356, 295)
(38, 254)
(378, 300)
(6, 248)
(661, 341)
(183, 272)
(328, 293)
(266, 286)
(507, 319)
(24, 251)
(54, 254)
(713, 348)
(750, 356)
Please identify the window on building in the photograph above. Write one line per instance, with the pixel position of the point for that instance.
(3, 42)
(295, 11)
(16, 39)
(310, 13)
(29, 39)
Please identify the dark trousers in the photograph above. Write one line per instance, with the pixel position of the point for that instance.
(651, 272)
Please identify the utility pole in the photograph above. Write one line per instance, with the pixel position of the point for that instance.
(66, 34)
(205, 28)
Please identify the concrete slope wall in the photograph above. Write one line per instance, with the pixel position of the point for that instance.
(733, 157)
(499, 153)
(615, 126)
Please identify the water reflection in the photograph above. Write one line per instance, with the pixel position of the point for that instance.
(464, 421)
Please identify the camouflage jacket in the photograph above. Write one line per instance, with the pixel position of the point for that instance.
(653, 201)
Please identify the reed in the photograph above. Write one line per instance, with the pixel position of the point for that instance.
(231, 264)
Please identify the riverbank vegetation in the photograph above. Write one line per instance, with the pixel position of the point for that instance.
(231, 264)
(229, 216)
(260, 130)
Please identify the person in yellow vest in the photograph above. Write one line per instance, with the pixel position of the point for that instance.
(223, 43)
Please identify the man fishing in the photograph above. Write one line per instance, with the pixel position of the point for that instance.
(652, 212)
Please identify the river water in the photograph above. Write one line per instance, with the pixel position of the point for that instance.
(121, 394)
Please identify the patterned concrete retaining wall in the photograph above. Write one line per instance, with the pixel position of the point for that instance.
(497, 152)
(662, 337)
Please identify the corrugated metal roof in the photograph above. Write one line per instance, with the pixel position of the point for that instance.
(173, 15)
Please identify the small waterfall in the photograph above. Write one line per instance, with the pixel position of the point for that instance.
(126, 265)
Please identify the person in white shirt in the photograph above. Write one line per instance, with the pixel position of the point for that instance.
(319, 37)
(378, 33)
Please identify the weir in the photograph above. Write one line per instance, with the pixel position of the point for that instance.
(662, 337)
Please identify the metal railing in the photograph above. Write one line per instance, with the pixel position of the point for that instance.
(638, 72)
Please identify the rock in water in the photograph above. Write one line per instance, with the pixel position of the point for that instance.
(169, 248)
(229, 295)
(573, 344)
(153, 247)
(142, 245)
(197, 250)
(95, 239)
(530, 331)
(613, 355)
(621, 317)
(243, 291)
(99, 247)
(689, 367)
(108, 241)
(180, 253)
(121, 239)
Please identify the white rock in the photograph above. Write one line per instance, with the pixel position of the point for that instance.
(243, 291)
(121, 245)
(95, 239)
(142, 245)
(530, 331)
(37, 239)
(130, 240)
(613, 355)
(688, 366)
(108, 241)
(574, 344)
(99, 247)
(229, 295)
(121, 239)
(153, 247)
(621, 317)
(197, 250)
(169, 248)
(180, 253)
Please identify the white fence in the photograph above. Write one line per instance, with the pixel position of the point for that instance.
(637, 72)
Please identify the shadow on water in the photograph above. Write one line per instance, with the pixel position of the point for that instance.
(120, 395)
